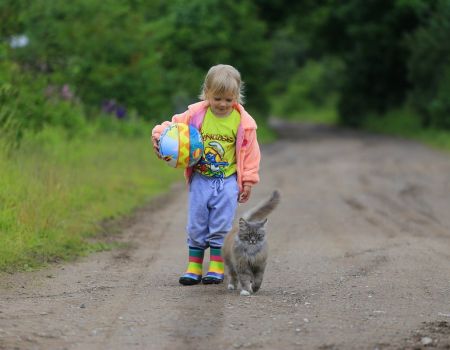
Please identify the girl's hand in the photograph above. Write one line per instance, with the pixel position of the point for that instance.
(155, 146)
(245, 194)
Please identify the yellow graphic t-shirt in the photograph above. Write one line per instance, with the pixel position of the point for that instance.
(219, 141)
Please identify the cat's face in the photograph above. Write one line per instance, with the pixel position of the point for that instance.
(252, 232)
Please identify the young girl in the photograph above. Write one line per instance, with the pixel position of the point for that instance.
(226, 172)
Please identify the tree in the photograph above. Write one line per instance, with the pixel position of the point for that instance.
(429, 67)
(198, 34)
(370, 38)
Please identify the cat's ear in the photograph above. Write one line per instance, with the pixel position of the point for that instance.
(242, 224)
(264, 222)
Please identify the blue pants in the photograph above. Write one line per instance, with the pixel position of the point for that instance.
(212, 207)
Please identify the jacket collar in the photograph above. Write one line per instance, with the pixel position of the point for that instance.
(247, 121)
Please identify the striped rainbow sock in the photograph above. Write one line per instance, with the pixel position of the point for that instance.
(216, 269)
(194, 269)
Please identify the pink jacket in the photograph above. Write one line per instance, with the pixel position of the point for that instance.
(248, 155)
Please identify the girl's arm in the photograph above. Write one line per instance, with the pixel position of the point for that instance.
(252, 158)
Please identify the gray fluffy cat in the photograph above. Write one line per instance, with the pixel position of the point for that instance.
(245, 248)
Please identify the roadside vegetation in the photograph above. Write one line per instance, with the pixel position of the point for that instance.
(406, 123)
(55, 192)
(82, 83)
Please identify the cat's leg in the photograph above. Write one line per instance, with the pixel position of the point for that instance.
(257, 280)
(233, 279)
(245, 278)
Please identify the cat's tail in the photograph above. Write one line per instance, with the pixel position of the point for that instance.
(261, 211)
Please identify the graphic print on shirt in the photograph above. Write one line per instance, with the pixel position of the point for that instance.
(219, 140)
(212, 162)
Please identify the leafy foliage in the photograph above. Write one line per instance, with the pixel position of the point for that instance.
(369, 37)
(312, 86)
(429, 68)
(99, 47)
(150, 57)
(25, 106)
(198, 34)
(147, 56)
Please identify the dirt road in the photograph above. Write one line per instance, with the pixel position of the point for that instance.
(359, 259)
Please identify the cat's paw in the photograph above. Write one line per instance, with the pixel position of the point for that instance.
(231, 286)
(245, 293)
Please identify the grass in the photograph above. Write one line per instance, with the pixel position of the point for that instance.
(320, 115)
(401, 122)
(326, 116)
(405, 123)
(264, 133)
(55, 192)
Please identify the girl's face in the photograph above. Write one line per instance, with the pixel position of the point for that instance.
(222, 104)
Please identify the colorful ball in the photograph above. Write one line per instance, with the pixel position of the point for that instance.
(181, 145)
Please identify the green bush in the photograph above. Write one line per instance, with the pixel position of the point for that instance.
(24, 106)
(312, 88)
(369, 36)
(406, 122)
(429, 68)
(19, 111)
(149, 56)
(197, 34)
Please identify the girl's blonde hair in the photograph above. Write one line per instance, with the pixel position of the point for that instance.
(221, 79)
